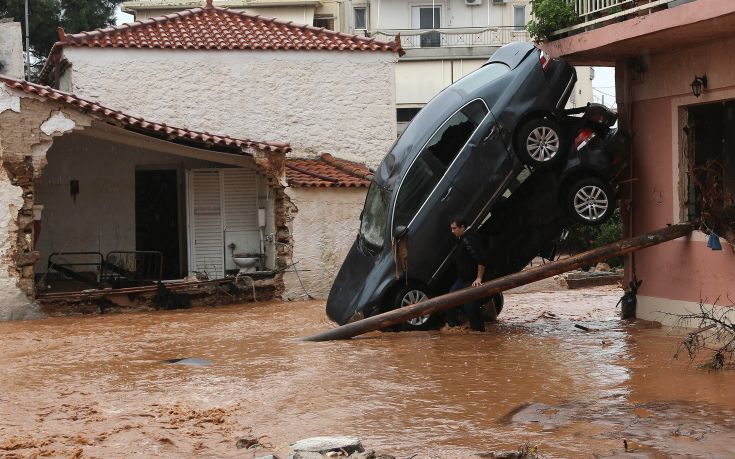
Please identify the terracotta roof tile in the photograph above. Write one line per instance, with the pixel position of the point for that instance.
(159, 130)
(220, 28)
(213, 27)
(327, 172)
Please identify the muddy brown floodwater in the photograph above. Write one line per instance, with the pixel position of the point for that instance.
(98, 386)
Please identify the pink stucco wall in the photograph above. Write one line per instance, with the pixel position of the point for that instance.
(684, 269)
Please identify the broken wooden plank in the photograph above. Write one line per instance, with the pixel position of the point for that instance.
(490, 288)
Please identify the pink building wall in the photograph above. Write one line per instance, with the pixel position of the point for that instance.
(677, 274)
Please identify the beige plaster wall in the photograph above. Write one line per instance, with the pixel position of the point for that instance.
(318, 101)
(324, 229)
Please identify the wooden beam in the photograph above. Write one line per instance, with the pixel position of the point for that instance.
(490, 288)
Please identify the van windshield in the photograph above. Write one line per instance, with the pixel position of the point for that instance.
(434, 160)
(374, 219)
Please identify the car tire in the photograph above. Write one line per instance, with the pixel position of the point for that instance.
(540, 143)
(412, 294)
(590, 201)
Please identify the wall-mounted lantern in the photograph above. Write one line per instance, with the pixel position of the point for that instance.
(699, 84)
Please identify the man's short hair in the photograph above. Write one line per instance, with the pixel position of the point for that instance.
(458, 220)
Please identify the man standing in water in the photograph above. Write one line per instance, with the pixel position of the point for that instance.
(469, 260)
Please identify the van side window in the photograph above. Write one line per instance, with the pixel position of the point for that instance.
(434, 160)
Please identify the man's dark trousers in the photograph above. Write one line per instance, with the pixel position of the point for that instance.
(471, 310)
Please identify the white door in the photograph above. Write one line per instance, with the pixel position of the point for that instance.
(206, 235)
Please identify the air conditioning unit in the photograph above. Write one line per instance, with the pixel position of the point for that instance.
(499, 1)
(472, 2)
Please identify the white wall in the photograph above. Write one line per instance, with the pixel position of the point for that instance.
(302, 14)
(582, 93)
(324, 229)
(11, 50)
(318, 101)
(418, 81)
(103, 216)
(396, 14)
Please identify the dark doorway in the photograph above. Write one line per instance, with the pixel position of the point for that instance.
(157, 217)
(710, 134)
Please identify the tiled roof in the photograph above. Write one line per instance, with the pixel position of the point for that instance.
(133, 123)
(327, 171)
(220, 28)
(213, 27)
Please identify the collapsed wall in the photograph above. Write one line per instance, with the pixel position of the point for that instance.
(27, 128)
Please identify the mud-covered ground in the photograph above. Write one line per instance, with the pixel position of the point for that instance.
(100, 387)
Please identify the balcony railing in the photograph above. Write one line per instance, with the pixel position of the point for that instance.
(596, 13)
(454, 37)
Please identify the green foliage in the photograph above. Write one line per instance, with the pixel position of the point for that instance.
(584, 237)
(46, 15)
(548, 16)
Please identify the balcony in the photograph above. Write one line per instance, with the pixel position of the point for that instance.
(597, 13)
(668, 25)
(452, 42)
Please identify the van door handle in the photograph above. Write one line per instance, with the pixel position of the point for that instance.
(446, 194)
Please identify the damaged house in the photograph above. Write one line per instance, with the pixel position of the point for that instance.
(675, 84)
(95, 196)
(212, 69)
(178, 202)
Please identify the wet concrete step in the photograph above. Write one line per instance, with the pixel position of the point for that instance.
(577, 280)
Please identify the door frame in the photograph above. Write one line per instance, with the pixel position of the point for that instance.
(181, 202)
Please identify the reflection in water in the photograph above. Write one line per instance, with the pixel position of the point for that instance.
(98, 383)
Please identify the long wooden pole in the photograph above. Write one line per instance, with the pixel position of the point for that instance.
(490, 288)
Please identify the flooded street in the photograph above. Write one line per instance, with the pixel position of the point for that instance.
(100, 387)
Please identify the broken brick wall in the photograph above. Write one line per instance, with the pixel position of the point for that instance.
(27, 126)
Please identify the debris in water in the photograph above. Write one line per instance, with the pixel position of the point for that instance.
(525, 451)
(195, 361)
(245, 443)
(323, 445)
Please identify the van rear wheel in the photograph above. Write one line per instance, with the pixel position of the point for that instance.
(412, 294)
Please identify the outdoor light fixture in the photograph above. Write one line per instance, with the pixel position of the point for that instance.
(698, 84)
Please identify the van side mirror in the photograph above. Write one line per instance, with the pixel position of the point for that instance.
(399, 231)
